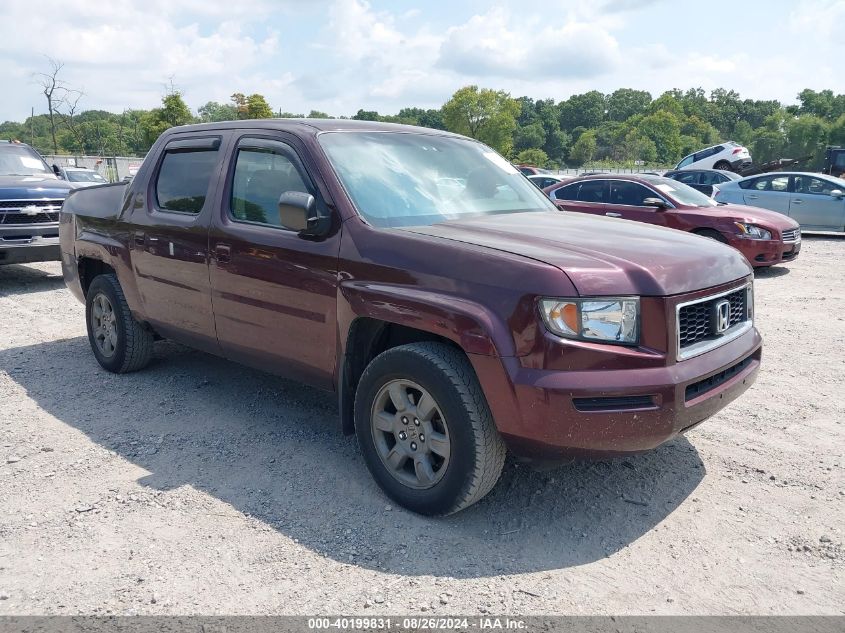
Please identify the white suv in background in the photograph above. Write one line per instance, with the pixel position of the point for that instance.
(728, 156)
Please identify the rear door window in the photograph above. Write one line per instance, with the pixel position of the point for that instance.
(688, 177)
(593, 191)
(770, 183)
(185, 174)
(711, 178)
(569, 192)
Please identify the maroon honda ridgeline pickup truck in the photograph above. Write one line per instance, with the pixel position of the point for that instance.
(454, 310)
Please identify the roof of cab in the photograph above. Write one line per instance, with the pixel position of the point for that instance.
(312, 126)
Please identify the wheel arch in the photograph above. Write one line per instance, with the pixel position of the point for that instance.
(373, 318)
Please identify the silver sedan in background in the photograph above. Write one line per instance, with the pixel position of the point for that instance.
(815, 201)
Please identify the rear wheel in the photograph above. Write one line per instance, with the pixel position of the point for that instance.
(120, 344)
(425, 430)
(723, 165)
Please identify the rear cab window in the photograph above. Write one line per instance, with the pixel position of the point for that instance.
(185, 173)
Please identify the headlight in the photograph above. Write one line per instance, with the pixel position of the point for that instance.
(607, 319)
(752, 231)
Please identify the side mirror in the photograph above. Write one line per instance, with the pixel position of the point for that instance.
(298, 212)
(837, 193)
(56, 170)
(654, 202)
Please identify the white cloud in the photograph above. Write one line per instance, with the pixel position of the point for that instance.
(122, 53)
(341, 55)
(497, 44)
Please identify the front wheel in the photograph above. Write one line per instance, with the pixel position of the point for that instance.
(425, 429)
(120, 344)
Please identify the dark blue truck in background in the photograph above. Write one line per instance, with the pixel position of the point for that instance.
(31, 196)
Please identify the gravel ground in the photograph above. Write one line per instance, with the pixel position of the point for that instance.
(199, 486)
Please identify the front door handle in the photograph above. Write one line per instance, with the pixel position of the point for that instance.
(799, 201)
(611, 214)
(752, 197)
(223, 253)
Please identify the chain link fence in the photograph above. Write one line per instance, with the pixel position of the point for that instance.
(112, 168)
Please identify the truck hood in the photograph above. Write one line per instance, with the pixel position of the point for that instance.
(752, 215)
(32, 187)
(604, 256)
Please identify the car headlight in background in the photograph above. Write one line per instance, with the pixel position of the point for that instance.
(606, 319)
(752, 231)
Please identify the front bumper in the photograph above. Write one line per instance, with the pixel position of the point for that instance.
(766, 252)
(550, 415)
(21, 244)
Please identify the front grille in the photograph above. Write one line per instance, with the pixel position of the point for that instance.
(791, 235)
(20, 204)
(29, 211)
(709, 384)
(25, 218)
(698, 321)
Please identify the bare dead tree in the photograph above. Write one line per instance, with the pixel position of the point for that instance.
(69, 107)
(54, 90)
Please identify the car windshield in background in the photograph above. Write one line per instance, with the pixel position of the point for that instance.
(680, 192)
(400, 179)
(84, 176)
(18, 160)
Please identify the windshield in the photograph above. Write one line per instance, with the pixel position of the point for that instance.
(84, 176)
(20, 160)
(400, 179)
(681, 193)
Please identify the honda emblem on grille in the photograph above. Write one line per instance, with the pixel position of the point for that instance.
(722, 314)
(30, 210)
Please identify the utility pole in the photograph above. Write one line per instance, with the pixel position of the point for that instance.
(32, 127)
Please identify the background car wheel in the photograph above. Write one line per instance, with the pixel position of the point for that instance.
(715, 235)
(119, 342)
(723, 165)
(425, 429)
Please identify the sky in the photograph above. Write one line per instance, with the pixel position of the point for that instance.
(341, 55)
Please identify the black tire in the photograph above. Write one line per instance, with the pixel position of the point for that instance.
(477, 451)
(713, 235)
(133, 343)
(723, 165)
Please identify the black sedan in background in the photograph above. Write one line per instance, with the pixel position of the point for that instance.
(704, 180)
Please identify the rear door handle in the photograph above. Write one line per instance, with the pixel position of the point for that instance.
(223, 253)
(799, 201)
(611, 214)
(752, 197)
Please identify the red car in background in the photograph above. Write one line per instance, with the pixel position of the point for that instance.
(765, 238)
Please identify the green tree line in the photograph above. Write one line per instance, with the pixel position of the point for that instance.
(621, 128)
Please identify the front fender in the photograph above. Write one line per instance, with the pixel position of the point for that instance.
(470, 325)
(475, 329)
